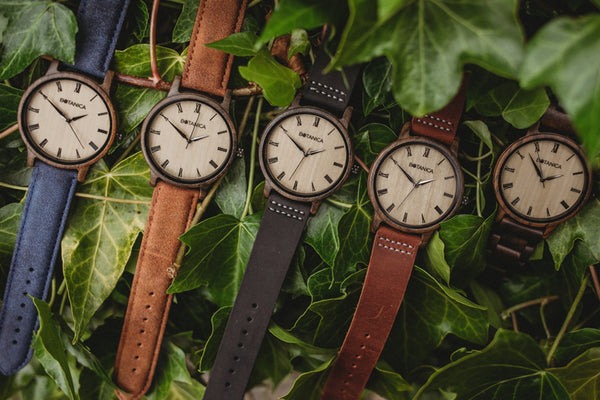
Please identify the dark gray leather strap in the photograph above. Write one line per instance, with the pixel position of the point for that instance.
(276, 241)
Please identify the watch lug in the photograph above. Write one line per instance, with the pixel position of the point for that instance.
(548, 230)
(405, 131)
(345, 120)
(314, 207)
(175, 86)
(454, 146)
(30, 158)
(153, 178)
(107, 83)
(296, 101)
(376, 222)
(82, 172)
(267, 190)
(53, 68)
(533, 129)
(425, 236)
(226, 99)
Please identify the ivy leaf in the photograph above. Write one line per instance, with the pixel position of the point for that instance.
(222, 240)
(231, 194)
(172, 368)
(488, 298)
(371, 139)
(239, 44)
(133, 104)
(322, 232)
(9, 102)
(182, 32)
(482, 131)
(101, 232)
(51, 353)
(565, 55)
(583, 226)
(581, 377)
(36, 28)
(387, 383)
(512, 366)
(209, 353)
(377, 84)
(278, 83)
(575, 343)
(10, 219)
(309, 385)
(428, 313)
(299, 43)
(427, 43)
(434, 259)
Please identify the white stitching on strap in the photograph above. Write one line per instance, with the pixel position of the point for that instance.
(286, 213)
(393, 248)
(435, 125)
(327, 87)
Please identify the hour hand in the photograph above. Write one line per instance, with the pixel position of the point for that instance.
(552, 177)
(198, 138)
(426, 181)
(310, 153)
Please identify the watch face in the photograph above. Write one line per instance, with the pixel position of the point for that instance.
(305, 153)
(542, 178)
(188, 139)
(415, 184)
(66, 119)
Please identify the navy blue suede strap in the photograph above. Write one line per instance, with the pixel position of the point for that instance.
(38, 242)
(100, 22)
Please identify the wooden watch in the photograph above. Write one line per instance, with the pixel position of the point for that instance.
(540, 180)
(67, 122)
(414, 184)
(188, 140)
(305, 154)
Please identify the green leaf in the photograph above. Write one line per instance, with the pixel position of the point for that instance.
(511, 367)
(278, 83)
(231, 194)
(585, 226)
(133, 104)
(434, 259)
(239, 44)
(488, 298)
(182, 32)
(371, 139)
(322, 232)
(222, 240)
(482, 131)
(581, 377)
(36, 28)
(209, 353)
(377, 83)
(565, 55)
(139, 12)
(428, 313)
(50, 352)
(466, 237)
(309, 385)
(9, 102)
(387, 383)
(287, 337)
(10, 218)
(3, 25)
(171, 368)
(575, 343)
(428, 42)
(299, 43)
(101, 232)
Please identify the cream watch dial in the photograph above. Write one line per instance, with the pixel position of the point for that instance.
(416, 184)
(305, 153)
(542, 179)
(187, 140)
(66, 120)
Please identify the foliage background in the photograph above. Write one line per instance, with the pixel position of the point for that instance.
(457, 335)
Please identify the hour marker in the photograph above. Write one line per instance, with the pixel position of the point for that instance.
(198, 172)
(154, 149)
(529, 210)
(211, 118)
(405, 217)
(547, 212)
(59, 152)
(59, 86)
(575, 190)
(273, 160)
(96, 95)
(197, 108)
(295, 185)
(179, 108)
(520, 155)
(103, 113)
(33, 109)
(571, 156)
(380, 191)
(328, 178)
(77, 87)
(165, 163)
(272, 143)
(515, 201)
(408, 152)
(555, 147)
(507, 185)
(316, 121)
(390, 208)
(213, 163)
(93, 145)
(383, 175)
(537, 146)
(43, 142)
(508, 169)
(426, 152)
(438, 210)
(221, 132)
(330, 132)
(578, 173)
(77, 153)
(448, 195)
(337, 164)
(422, 218)
(298, 120)
(283, 129)
(281, 175)
(154, 132)
(312, 185)
(443, 159)
(223, 149)
(180, 174)
(102, 131)
(564, 204)
(449, 177)
(338, 147)
(33, 127)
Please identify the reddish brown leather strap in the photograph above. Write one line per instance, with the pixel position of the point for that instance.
(442, 124)
(389, 270)
(170, 214)
(207, 70)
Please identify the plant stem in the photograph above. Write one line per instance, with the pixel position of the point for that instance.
(8, 131)
(544, 300)
(52, 293)
(338, 203)
(478, 188)
(563, 328)
(129, 148)
(252, 159)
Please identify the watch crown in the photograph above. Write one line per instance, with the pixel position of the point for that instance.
(355, 169)
(465, 200)
(239, 153)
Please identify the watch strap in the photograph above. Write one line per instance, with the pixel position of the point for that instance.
(392, 259)
(99, 22)
(37, 246)
(331, 90)
(170, 215)
(278, 236)
(442, 124)
(207, 70)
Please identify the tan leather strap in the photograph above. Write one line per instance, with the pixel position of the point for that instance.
(389, 270)
(170, 215)
(442, 124)
(207, 70)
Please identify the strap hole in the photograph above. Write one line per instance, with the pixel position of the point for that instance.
(28, 282)
(139, 345)
(24, 293)
(227, 384)
(354, 365)
(236, 358)
(358, 356)
(14, 342)
(137, 357)
(232, 371)
(22, 305)
(254, 305)
(17, 330)
(142, 331)
(241, 345)
(30, 269)
(244, 331)
(148, 307)
(151, 293)
(362, 346)
(144, 319)
(249, 319)
(19, 318)
(134, 369)
(368, 336)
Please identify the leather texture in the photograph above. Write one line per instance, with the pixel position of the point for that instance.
(99, 22)
(278, 236)
(331, 91)
(442, 124)
(37, 246)
(207, 70)
(390, 267)
(170, 215)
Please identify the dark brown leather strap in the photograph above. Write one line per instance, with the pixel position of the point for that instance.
(170, 214)
(442, 125)
(207, 70)
(389, 270)
(276, 241)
